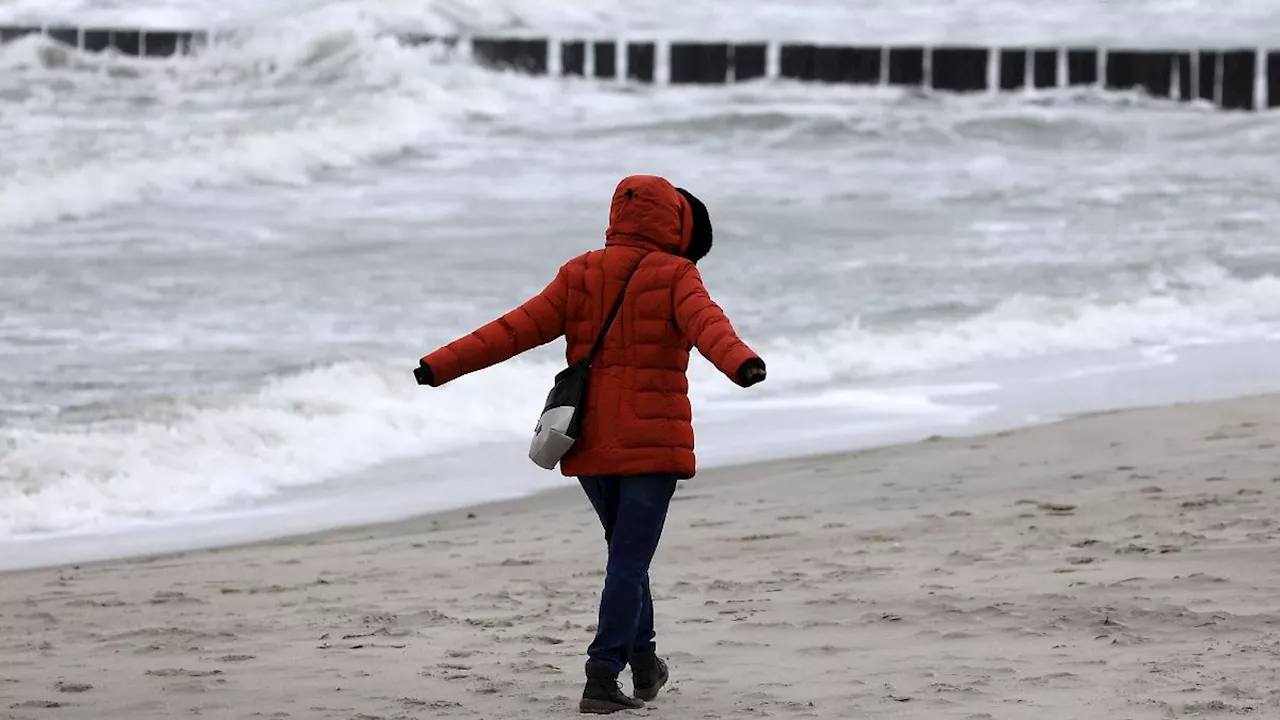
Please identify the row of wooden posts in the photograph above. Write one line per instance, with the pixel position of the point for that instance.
(1233, 78)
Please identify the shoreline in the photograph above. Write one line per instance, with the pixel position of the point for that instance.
(965, 402)
(555, 496)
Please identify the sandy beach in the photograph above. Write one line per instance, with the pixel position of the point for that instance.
(1123, 565)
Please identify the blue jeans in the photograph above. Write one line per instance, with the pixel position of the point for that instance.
(632, 511)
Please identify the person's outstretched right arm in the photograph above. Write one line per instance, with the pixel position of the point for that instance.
(707, 328)
(536, 322)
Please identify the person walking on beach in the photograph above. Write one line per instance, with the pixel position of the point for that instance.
(636, 438)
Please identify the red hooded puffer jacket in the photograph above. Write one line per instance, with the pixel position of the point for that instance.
(638, 419)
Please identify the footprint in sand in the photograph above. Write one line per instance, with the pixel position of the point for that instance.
(429, 704)
(1200, 503)
(763, 536)
(527, 665)
(449, 671)
(708, 523)
(36, 704)
(822, 651)
(491, 686)
(542, 639)
(96, 603)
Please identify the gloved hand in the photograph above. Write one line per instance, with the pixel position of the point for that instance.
(751, 372)
(424, 375)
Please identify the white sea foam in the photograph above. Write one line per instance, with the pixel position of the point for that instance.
(277, 105)
(304, 88)
(296, 430)
(1199, 303)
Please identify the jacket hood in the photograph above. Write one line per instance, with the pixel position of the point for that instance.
(647, 211)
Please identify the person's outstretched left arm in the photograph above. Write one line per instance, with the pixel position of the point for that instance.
(706, 327)
(536, 322)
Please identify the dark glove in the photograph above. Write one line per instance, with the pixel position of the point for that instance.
(751, 372)
(424, 375)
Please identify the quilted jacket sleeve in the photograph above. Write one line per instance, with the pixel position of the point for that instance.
(707, 328)
(536, 322)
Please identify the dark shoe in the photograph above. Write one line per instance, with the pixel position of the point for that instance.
(603, 695)
(648, 675)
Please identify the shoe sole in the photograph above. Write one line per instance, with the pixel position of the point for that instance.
(648, 694)
(603, 707)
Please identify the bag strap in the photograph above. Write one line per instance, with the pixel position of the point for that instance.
(613, 312)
